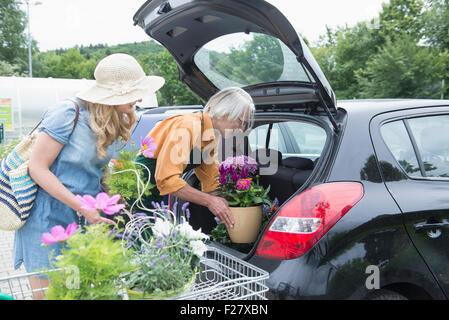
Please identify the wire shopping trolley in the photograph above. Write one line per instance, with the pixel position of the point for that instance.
(221, 277)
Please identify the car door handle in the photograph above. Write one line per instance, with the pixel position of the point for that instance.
(426, 226)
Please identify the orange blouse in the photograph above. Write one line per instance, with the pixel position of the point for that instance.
(176, 137)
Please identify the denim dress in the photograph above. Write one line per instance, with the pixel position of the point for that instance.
(79, 169)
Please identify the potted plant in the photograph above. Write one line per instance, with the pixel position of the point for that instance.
(164, 263)
(90, 265)
(220, 233)
(126, 177)
(239, 185)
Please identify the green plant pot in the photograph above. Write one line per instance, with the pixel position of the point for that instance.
(138, 295)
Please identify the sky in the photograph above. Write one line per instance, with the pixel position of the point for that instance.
(66, 23)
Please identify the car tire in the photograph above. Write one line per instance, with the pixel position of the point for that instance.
(384, 294)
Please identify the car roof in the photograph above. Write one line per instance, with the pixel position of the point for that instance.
(372, 107)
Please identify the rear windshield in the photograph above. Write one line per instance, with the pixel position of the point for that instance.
(241, 60)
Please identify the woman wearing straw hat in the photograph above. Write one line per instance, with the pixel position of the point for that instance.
(76, 140)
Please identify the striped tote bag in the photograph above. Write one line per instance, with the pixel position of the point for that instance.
(17, 190)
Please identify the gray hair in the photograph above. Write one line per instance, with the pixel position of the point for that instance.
(232, 103)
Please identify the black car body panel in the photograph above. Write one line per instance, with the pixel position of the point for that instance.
(336, 267)
(423, 201)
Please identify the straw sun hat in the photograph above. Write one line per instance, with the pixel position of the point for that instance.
(120, 80)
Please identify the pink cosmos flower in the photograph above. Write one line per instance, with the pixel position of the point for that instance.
(148, 147)
(58, 234)
(101, 202)
(244, 184)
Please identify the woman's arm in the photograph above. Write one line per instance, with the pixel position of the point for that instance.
(44, 153)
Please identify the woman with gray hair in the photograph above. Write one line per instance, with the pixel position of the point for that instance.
(190, 141)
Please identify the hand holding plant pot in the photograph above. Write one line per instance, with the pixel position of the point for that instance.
(239, 185)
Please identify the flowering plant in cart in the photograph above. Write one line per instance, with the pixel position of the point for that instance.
(168, 260)
(91, 261)
(126, 177)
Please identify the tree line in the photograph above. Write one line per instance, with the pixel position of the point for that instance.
(401, 53)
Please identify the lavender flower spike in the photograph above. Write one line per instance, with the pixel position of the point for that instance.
(175, 206)
(184, 206)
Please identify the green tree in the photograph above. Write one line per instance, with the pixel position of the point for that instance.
(402, 17)
(343, 52)
(403, 69)
(174, 92)
(8, 70)
(13, 42)
(69, 65)
(436, 23)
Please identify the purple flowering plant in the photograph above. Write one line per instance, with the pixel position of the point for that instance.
(239, 182)
(167, 250)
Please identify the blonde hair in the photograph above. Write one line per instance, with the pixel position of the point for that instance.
(108, 124)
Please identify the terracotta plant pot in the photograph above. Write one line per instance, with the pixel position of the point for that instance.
(247, 223)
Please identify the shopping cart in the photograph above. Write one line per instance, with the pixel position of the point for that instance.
(221, 277)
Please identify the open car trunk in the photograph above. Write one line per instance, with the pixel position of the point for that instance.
(284, 165)
(249, 44)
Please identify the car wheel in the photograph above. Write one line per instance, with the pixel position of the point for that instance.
(384, 294)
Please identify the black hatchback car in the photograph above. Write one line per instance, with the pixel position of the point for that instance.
(363, 185)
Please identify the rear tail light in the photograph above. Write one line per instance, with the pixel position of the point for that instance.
(306, 218)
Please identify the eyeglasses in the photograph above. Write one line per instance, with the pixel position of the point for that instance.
(244, 124)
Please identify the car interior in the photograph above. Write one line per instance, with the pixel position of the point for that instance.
(285, 175)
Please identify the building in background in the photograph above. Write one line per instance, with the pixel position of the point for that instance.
(23, 101)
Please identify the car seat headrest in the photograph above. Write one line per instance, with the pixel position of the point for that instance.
(298, 163)
(267, 157)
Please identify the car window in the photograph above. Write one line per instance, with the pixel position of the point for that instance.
(432, 139)
(241, 60)
(258, 137)
(398, 141)
(309, 138)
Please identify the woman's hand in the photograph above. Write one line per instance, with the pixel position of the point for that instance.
(220, 208)
(93, 217)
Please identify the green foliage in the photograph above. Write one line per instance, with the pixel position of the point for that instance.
(9, 70)
(346, 54)
(436, 24)
(385, 58)
(158, 271)
(80, 62)
(403, 69)
(342, 53)
(122, 177)
(6, 148)
(90, 267)
(174, 92)
(169, 259)
(254, 196)
(400, 18)
(13, 42)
